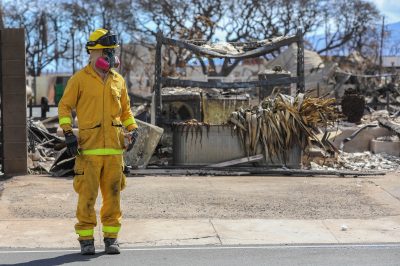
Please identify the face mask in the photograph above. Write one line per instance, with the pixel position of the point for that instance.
(108, 61)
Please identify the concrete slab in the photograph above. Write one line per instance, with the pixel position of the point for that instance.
(254, 197)
(383, 196)
(48, 233)
(210, 211)
(389, 147)
(259, 231)
(362, 141)
(161, 232)
(390, 184)
(59, 233)
(383, 230)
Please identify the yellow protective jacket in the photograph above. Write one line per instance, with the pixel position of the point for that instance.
(102, 108)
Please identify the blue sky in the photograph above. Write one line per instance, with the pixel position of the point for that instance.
(389, 8)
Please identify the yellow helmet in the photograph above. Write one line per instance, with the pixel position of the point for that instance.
(101, 39)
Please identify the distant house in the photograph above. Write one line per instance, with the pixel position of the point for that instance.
(391, 62)
(50, 86)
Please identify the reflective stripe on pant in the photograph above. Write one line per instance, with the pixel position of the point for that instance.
(92, 171)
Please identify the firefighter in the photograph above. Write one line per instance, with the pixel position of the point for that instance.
(99, 96)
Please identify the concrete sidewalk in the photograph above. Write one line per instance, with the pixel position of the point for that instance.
(38, 211)
(57, 233)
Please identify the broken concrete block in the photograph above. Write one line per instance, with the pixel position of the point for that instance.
(362, 141)
(388, 147)
(146, 144)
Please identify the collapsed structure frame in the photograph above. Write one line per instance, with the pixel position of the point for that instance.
(255, 49)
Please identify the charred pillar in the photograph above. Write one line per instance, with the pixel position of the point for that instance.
(353, 104)
(44, 107)
(13, 102)
(300, 62)
(157, 80)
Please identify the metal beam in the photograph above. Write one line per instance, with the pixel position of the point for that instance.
(169, 82)
(262, 50)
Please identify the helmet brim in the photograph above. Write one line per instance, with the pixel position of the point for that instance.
(99, 46)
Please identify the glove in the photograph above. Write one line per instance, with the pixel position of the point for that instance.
(72, 143)
(133, 136)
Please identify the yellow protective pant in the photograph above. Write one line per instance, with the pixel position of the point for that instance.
(92, 171)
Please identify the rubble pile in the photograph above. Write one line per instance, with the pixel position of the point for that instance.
(42, 149)
(360, 161)
(235, 48)
(379, 93)
(374, 116)
(393, 138)
(181, 91)
(368, 161)
(223, 48)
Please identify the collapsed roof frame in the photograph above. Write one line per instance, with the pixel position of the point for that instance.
(255, 49)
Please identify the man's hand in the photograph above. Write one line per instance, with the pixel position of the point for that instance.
(133, 136)
(72, 143)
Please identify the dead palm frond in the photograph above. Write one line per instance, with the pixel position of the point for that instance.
(280, 122)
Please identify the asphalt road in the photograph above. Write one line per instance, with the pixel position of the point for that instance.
(379, 254)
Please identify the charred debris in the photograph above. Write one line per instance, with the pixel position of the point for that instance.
(302, 116)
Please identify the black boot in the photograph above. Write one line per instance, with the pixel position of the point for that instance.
(87, 247)
(111, 246)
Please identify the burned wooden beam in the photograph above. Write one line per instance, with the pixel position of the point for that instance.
(250, 159)
(392, 126)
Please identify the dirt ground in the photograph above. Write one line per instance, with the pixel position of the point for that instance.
(187, 197)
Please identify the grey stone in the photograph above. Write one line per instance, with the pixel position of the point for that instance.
(388, 147)
(362, 141)
(149, 137)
